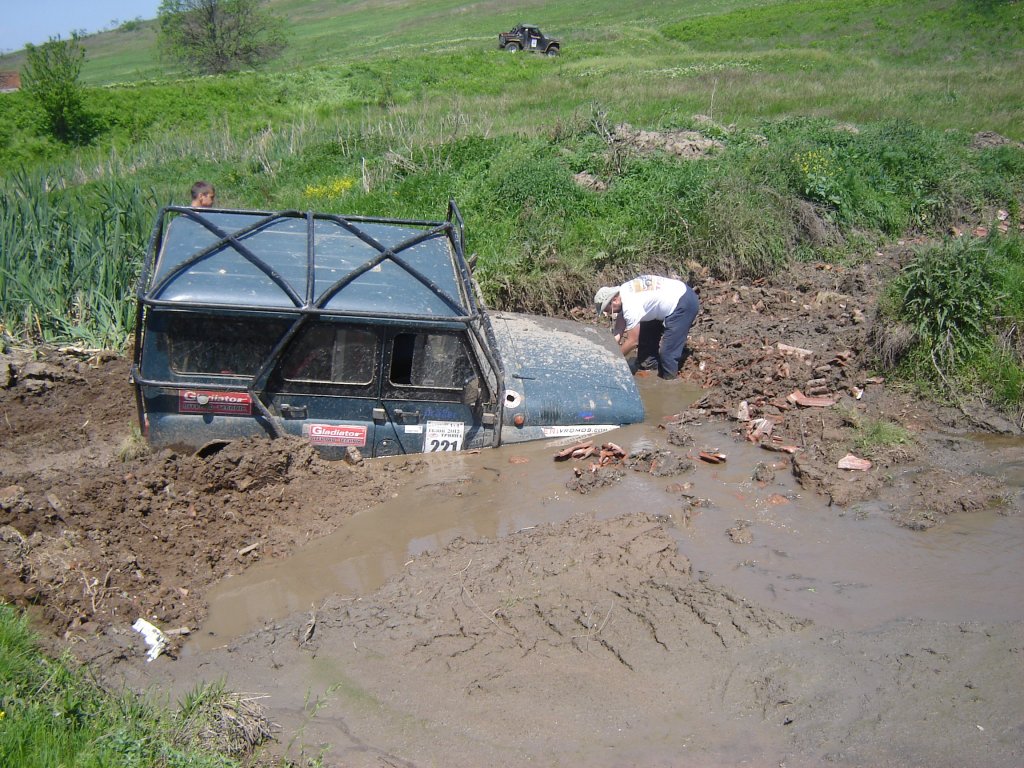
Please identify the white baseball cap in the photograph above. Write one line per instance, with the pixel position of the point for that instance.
(604, 297)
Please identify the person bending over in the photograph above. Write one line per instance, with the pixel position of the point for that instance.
(653, 316)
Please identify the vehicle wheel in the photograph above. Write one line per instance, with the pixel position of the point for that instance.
(512, 47)
(552, 51)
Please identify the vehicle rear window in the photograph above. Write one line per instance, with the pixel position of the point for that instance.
(332, 353)
(221, 346)
(436, 360)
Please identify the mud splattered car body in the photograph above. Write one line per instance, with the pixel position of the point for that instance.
(352, 331)
(528, 37)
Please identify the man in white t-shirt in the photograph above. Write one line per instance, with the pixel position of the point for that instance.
(653, 316)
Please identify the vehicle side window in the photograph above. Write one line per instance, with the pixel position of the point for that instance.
(436, 360)
(220, 346)
(332, 353)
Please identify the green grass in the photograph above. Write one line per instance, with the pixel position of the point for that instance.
(876, 436)
(949, 63)
(873, 438)
(53, 713)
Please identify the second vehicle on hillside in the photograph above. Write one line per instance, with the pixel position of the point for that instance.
(528, 37)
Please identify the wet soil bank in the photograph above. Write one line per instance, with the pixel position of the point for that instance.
(589, 638)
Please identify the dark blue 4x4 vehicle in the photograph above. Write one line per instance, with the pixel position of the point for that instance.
(352, 331)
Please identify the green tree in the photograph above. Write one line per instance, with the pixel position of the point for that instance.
(50, 78)
(216, 36)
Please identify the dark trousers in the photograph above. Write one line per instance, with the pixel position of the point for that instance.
(663, 342)
(647, 345)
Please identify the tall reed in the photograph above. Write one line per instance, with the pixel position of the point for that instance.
(70, 257)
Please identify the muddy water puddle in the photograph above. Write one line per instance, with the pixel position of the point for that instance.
(771, 543)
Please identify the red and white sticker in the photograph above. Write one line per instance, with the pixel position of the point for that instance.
(334, 434)
(224, 403)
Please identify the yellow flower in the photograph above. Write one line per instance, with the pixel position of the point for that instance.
(334, 188)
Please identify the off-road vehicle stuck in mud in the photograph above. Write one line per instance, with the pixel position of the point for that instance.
(528, 37)
(352, 331)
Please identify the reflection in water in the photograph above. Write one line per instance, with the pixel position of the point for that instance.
(849, 568)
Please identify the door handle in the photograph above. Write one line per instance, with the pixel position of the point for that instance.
(293, 411)
(407, 417)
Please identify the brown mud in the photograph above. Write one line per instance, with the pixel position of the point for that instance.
(591, 640)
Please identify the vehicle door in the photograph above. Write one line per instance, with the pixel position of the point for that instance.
(326, 389)
(384, 390)
(432, 392)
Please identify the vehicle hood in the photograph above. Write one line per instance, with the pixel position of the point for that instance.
(562, 378)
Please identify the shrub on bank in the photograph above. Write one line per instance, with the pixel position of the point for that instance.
(958, 310)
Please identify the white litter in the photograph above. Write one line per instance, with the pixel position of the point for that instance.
(155, 639)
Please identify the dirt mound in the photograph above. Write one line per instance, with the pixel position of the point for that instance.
(625, 139)
(91, 540)
(685, 144)
(789, 361)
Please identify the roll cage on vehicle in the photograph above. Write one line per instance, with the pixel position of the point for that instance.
(346, 330)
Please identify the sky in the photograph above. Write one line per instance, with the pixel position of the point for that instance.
(36, 21)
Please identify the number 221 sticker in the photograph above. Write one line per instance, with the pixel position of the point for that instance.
(443, 436)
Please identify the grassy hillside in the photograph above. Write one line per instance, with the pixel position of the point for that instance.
(836, 126)
(948, 63)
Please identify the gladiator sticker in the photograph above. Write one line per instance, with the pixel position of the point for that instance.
(444, 436)
(334, 434)
(222, 403)
(579, 430)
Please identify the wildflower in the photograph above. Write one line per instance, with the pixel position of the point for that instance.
(333, 188)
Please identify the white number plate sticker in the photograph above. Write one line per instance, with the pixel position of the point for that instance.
(444, 436)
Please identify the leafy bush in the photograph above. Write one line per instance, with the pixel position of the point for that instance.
(963, 305)
(131, 25)
(948, 300)
(50, 79)
(890, 176)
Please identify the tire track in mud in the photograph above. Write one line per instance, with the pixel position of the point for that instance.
(615, 590)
